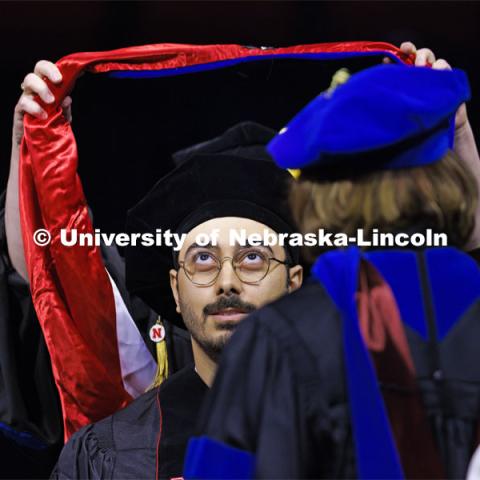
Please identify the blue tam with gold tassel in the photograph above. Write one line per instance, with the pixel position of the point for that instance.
(385, 117)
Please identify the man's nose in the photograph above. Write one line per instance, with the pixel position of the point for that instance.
(227, 281)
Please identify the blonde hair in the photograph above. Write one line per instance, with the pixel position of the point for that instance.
(441, 196)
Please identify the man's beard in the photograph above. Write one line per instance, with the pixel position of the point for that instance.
(213, 347)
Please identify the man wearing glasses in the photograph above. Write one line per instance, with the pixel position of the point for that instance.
(223, 185)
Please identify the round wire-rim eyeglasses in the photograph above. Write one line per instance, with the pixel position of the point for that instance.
(235, 267)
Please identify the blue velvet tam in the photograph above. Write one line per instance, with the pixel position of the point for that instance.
(385, 117)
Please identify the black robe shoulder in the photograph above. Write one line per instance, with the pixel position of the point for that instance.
(147, 439)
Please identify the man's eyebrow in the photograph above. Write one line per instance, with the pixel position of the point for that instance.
(247, 244)
(196, 245)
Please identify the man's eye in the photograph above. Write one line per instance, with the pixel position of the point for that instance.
(252, 260)
(204, 258)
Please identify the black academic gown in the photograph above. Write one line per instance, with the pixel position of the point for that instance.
(280, 391)
(31, 430)
(147, 439)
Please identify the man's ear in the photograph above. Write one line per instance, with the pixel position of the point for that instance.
(296, 278)
(174, 286)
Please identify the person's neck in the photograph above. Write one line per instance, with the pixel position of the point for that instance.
(204, 365)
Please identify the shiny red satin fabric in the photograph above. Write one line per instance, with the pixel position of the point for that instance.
(70, 288)
(171, 55)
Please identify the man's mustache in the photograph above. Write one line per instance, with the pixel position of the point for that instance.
(223, 303)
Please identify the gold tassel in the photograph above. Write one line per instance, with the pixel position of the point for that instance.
(162, 361)
(339, 78)
(294, 172)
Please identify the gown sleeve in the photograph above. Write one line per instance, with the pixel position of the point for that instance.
(84, 456)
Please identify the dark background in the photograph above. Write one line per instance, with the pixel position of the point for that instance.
(126, 129)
